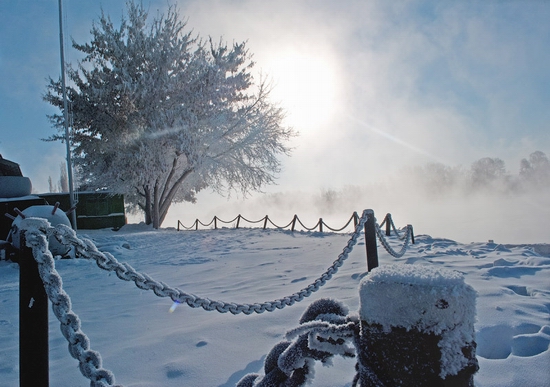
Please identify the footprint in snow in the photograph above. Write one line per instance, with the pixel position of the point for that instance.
(501, 341)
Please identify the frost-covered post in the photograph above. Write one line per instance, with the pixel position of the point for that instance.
(417, 328)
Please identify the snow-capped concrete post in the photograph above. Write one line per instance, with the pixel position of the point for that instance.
(370, 241)
(33, 322)
(417, 328)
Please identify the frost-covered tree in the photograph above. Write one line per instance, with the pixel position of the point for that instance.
(159, 114)
(536, 170)
(487, 171)
(50, 183)
(63, 178)
(438, 179)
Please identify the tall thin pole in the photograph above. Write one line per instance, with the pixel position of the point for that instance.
(66, 116)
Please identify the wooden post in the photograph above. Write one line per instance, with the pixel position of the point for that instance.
(412, 233)
(238, 220)
(265, 222)
(33, 322)
(355, 219)
(215, 222)
(320, 224)
(370, 241)
(293, 222)
(388, 224)
(196, 224)
(417, 328)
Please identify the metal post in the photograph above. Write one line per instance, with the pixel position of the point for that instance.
(370, 241)
(66, 118)
(33, 322)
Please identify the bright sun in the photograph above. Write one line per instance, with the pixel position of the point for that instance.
(305, 86)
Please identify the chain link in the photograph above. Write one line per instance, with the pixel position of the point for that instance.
(37, 234)
(385, 243)
(266, 219)
(106, 261)
(143, 281)
(397, 232)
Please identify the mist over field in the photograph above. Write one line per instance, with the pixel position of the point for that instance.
(465, 203)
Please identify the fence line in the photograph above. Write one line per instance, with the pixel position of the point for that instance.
(37, 231)
(407, 236)
(292, 224)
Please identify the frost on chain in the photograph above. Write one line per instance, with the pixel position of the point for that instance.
(324, 331)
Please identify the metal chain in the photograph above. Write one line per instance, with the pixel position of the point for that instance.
(392, 225)
(267, 219)
(387, 246)
(37, 232)
(124, 271)
(346, 225)
(397, 232)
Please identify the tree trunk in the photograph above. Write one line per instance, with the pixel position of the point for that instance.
(156, 214)
(168, 195)
(148, 206)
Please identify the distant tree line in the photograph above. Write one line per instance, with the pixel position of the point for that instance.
(487, 175)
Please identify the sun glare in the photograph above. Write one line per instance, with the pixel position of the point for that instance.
(305, 86)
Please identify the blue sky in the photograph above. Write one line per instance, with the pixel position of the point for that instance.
(372, 86)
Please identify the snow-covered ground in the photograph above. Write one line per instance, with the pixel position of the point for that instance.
(144, 344)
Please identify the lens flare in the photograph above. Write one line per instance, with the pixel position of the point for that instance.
(174, 306)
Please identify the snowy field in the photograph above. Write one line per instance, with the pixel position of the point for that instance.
(144, 344)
